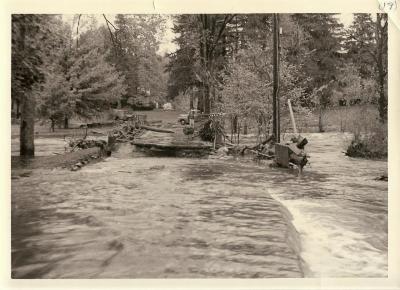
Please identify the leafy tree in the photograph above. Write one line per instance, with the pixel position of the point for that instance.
(54, 102)
(253, 29)
(53, 93)
(360, 42)
(367, 43)
(29, 34)
(324, 40)
(243, 96)
(212, 31)
(135, 41)
(80, 82)
(246, 90)
(201, 55)
(94, 83)
(353, 88)
(183, 63)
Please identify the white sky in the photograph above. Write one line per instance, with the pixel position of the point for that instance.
(166, 45)
(346, 19)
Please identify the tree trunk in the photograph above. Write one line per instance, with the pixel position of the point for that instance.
(382, 102)
(53, 123)
(66, 123)
(191, 100)
(320, 125)
(200, 101)
(382, 99)
(238, 132)
(235, 125)
(27, 127)
(18, 110)
(207, 105)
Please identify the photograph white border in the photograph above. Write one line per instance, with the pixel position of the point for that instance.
(201, 6)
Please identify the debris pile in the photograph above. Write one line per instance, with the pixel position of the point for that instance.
(126, 132)
(84, 143)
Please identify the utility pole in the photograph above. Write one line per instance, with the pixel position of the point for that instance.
(275, 98)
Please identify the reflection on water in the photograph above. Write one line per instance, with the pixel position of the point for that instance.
(142, 217)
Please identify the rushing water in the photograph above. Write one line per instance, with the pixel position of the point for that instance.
(340, 210)
(148, 217)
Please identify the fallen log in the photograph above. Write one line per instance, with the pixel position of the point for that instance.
(172, 146)
(154, 129)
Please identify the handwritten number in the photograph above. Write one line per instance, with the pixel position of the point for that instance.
(388, 5)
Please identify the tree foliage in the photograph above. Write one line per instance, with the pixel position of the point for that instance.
(29, 36)
(79, 81)
(28, 33)
(367, 44)
(202, 54)
(133, 45)
(226, 59)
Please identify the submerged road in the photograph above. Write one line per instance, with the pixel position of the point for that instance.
(149, 217)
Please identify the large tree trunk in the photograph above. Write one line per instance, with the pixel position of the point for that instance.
(27, 127)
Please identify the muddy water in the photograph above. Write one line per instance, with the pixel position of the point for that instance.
(339, 210)
(149, 217)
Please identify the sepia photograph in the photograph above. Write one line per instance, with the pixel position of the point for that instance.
(228, 145)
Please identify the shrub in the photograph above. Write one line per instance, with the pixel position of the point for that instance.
(369, 144)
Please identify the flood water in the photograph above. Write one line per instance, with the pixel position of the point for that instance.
(339, 210)
(132, 216)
